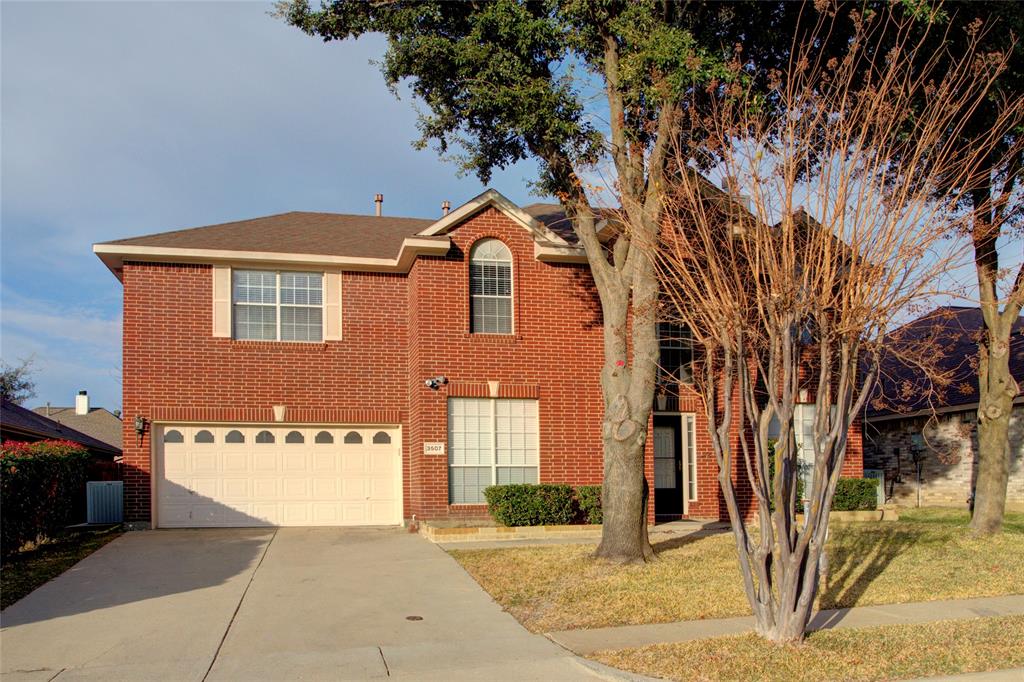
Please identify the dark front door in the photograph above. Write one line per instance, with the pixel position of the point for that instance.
(668, 488)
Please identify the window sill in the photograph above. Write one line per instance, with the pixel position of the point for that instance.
(268, 343)
(493, 338)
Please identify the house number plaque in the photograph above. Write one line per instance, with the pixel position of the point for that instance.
(433, 448)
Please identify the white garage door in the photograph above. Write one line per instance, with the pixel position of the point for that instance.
(272, 475)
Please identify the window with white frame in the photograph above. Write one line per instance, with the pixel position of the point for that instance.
(803, 430)
(490, 442)
(277, 306)
(490, 288)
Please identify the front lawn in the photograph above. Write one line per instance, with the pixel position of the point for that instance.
(29, 569)
(926, 555)
(889, 652)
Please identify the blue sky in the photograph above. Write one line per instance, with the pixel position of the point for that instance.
(122, 119)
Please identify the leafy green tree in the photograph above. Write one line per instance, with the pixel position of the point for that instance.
(507, 81)
(16, 381)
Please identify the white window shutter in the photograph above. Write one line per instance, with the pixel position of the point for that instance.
(332, 306)
(221, 300)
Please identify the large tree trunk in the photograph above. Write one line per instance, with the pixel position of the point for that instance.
(997, 390)
(627, 382)
(996, 386)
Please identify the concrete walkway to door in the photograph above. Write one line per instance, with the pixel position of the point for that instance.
(254, 604)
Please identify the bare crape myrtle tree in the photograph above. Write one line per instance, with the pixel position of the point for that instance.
(834, 223)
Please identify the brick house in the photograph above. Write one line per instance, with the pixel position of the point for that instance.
(324, 369)
(914, 423)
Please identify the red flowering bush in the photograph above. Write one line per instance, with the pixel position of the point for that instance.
(41, 484)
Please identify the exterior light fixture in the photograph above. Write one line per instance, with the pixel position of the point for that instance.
(139, 423)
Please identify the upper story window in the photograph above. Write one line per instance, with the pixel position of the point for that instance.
(490, 288)
(675, 354)
(277, 306)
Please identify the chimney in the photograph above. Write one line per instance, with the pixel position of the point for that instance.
(445, 207)
(47, 408)
(82, 403)
(379, 201)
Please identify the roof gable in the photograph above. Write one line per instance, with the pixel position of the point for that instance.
(493, 198)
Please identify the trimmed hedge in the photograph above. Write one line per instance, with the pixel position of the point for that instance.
(528, 504)
(40, 484)
(588, 497)
(856, 494)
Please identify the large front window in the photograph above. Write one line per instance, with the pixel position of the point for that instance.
(490, 288)
(490, 442)
(277, 306)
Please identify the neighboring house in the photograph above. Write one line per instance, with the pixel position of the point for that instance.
(928, 417)
(323, 369)
(21, 424)
(98, 422)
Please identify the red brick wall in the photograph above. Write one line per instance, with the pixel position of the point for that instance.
(555, 355)
(398, 330)
(174, 369)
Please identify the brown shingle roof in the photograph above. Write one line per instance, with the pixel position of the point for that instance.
(946, 340)
(99, 423)
(328, 234)
(17, 423)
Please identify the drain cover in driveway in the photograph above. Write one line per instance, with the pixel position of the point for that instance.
(414, 617)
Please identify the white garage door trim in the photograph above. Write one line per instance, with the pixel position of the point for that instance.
(319, 475)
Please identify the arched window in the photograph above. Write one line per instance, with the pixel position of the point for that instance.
(324, 437)
(381, 437)
(173, 436)
(203, 436)
(234, 436)
(490, 288)
(264, 437)
(353, 438)
(294, 437)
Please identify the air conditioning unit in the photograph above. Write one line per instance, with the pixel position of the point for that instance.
(104, 501)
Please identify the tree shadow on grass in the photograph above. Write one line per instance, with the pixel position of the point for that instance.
(688, 539)
(857, 558)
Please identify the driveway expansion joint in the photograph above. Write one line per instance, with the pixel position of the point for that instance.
(238, 606)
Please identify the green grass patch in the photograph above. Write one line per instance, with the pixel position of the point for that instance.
(926, 555)
(889, 652)
(31, 568)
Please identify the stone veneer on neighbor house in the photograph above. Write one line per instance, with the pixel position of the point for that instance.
(946, 445)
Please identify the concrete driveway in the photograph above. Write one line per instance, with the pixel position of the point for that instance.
(294, 603)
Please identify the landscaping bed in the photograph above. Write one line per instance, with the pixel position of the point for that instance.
(889, 652)
(926, 555)
(29, 569)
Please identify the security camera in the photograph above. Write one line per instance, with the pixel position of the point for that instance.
(436, 382)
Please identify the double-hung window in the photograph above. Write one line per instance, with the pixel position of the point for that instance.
(490, 442)
(277, 306)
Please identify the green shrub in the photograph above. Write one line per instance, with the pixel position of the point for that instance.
(588, 497)
(40, 486)
(528, 504)
(856, 494)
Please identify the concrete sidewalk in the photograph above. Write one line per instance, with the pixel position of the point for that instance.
(585, 642)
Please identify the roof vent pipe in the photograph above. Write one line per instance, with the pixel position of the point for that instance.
(445, 207)
(379, 202)
(82, 403)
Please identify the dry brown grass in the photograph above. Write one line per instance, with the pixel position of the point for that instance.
(927, 555)
(880, 653)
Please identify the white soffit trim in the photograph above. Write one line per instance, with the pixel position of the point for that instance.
(559, 254)
(114, 255)
(493, 197)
